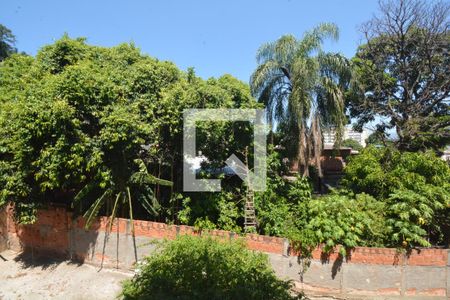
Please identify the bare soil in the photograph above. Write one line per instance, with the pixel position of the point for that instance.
(24, 278)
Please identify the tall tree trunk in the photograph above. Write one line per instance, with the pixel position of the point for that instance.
(303, 155)
(316, 140)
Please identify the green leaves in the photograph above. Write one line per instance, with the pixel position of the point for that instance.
(64, 52)
(143, 177)
(92, 212)
(415, 188)
(80, 120)
(396, 200)
(340, 219)
(297, 85)
(352, 144)
(401, 73)
(73, 118)
(7, 42)
(205, 268)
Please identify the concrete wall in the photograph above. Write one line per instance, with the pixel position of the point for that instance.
(372, 272)
(365, 273)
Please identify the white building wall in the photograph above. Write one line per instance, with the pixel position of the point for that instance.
(360, 137)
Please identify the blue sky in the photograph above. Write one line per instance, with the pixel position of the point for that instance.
(214, 37)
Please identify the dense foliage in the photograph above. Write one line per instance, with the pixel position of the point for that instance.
(387, 198)
(205, 268)
(415, 188)
(100, 130)
(96, 127)
(289, 209)
(338, 219)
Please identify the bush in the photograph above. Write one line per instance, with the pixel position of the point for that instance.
(275, 207)
(212, 211)
(205, 268)
(415, 188)
(339, 219)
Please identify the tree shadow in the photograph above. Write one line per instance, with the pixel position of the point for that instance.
(337, 263)
(54, 237)
(28, 260)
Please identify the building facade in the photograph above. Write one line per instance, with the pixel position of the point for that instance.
(329, 137)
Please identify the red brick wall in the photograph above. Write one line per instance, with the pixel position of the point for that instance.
(51, 233)
(391, 256)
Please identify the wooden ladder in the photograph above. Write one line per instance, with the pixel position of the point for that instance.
(249, 207)
(249, 213)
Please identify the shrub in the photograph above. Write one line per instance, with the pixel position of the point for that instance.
(273, 207)
(205, 268)
(415, 188)
(408, 212)
(274, 218)
(300, 190)
(276, 206)
(339, 219)
(211, 211)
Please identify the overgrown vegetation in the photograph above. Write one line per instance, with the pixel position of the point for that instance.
(100, 130)
(206, 268)
(414, 187)
(387, 198)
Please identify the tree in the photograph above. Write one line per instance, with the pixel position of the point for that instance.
(303, 90)
(379, 138)
(401, 73)
(93, 127)
(7, 41)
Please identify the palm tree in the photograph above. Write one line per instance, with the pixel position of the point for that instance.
(303, 88)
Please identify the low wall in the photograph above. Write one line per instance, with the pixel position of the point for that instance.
(366, 273)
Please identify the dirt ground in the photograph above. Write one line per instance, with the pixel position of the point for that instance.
(35, 279)
(23, 278)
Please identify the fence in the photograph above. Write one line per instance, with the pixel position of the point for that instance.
(366, 272)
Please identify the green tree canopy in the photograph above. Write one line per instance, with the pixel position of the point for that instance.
(352, 144)
(402, 73)
(7, 42)
(87, 125)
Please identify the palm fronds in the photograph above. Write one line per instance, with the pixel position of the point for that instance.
(303, 87)
(140, 182)
(92, 212)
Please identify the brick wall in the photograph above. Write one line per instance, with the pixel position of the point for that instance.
(365, 272)
(48, 235)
